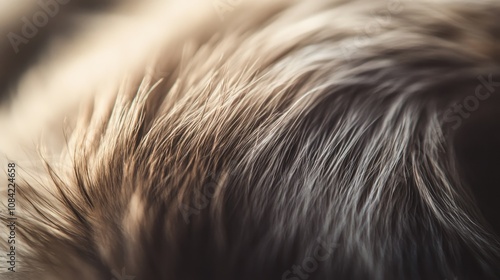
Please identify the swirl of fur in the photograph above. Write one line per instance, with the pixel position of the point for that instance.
(277, 133)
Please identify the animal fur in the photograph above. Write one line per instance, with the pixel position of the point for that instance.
(286, 131)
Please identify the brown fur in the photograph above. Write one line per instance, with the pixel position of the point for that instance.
(285, 130)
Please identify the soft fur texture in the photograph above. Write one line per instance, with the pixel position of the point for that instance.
(284, 128)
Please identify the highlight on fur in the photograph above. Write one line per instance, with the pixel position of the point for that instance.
(260, 150)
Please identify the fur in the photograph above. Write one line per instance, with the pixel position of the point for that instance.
(281, 132)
